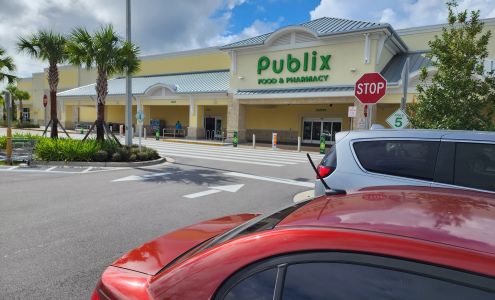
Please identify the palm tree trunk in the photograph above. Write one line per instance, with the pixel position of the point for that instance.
(101, 94)
(53, 114)
(100, 132)
(53, 83)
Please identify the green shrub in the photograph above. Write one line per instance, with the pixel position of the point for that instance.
(48, 149)
(116, 157)
(101, 155)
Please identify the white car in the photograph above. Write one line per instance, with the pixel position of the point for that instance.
(437, 158)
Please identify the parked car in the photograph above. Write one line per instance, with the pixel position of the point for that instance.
(378, 243)
(439, 158)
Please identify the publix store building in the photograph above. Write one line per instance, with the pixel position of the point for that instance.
(297, 81)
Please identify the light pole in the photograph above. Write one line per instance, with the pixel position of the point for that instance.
(128, 86)
(9, 127)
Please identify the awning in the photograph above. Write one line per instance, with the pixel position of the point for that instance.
(183, 83)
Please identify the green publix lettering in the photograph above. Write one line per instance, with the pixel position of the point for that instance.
(294, 64)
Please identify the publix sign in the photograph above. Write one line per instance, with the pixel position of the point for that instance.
(309, 62)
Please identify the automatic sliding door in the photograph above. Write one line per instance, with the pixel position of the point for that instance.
(307, 127)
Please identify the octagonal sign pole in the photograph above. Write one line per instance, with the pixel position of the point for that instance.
(369, 89)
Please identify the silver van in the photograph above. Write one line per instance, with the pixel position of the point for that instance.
(438, 158)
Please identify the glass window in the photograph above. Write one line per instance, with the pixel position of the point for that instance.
(336, 281)
(475, 166)
(413, 159)
(258, 286)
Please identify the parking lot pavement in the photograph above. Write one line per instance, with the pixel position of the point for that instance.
(61, 227)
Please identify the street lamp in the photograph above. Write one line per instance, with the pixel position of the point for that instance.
(128, 113)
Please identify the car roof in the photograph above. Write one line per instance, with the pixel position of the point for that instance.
(455, 217)
(423, 133)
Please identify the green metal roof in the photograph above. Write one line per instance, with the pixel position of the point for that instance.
(321, 27)
(182, 83)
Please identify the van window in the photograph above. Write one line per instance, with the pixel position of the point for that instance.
(412, 159)
(475, 166)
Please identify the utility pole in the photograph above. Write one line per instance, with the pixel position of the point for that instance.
(128, 86)
(405, 83)
(8, 103)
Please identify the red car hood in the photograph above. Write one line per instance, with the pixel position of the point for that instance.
(152, 256)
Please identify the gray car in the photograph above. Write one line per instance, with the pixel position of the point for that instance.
(438, 158)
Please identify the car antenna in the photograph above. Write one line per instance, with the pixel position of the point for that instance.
(328, 190)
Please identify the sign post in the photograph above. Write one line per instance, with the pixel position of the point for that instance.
(369, 89)
(351, 114)
(45, 103)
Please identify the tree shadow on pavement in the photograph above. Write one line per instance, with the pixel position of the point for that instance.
(177, 175)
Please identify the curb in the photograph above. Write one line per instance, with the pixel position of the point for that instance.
(99, 164)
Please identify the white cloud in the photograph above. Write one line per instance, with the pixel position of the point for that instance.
(332, 8)
(158, 26)
(400, 14)
(258, 27)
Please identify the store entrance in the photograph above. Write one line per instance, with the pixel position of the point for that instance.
(313, 128)
(213, 127)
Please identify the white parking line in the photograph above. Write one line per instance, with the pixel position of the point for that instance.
(12, 168)
(50, 169)
(87, 170)
(201, 194)
(272, 179)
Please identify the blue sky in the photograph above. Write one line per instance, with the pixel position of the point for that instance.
(161, 26)
(283, 12)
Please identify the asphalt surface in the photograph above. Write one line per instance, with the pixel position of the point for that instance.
(60, 230)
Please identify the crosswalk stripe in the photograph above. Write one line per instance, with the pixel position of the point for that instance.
(266, 157)
(234, 152)
(226, 155)
(229, 160)
(226, 149)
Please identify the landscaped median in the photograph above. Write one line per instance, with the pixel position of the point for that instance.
(89, 151)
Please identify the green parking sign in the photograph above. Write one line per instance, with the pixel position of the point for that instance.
(398, 120)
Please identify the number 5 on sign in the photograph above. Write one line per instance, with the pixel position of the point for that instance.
(398, 120)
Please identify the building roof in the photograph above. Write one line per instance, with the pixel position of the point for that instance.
(393, 70)
(340, 88)
(321, 27)
(182, 83)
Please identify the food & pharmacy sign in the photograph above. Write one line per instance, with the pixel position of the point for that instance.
(309, 62)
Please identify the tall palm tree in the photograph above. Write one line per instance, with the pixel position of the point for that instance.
(48, 46)
(6, 66)
(109, 54)
(18, 94)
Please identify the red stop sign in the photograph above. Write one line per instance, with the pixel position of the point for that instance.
(370, 88)
(45, 100)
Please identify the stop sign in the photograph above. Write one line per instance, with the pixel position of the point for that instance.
(45, 100)
(370, 88)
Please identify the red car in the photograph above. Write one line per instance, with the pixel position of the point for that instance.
(376, 243)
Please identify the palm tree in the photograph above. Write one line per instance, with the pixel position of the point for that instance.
(48, 46)
(7, 63)
(18, 94)
(109, 54)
